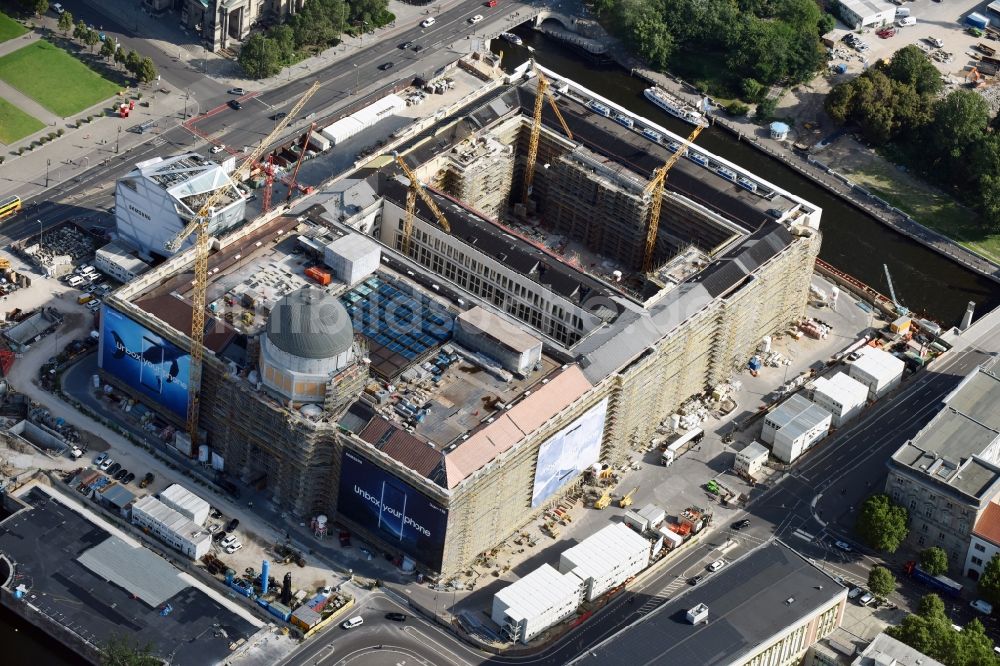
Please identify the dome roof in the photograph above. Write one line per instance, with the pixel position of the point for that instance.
(310, 323)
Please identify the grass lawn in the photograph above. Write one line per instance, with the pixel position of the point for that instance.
(9, 28)
(55, 79)
(930, 207)
(16, 124)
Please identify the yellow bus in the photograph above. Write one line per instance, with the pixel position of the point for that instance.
(9, 206)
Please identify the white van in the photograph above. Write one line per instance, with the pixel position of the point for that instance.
(75, 281)
(902, 12)
(904, 22)
(355, 621)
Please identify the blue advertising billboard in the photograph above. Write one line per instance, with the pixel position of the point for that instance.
(378, 501)
(149, 364)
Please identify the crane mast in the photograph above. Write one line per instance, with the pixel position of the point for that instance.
(416, 189)
(542, 93)
(655, 188)
(200, 225)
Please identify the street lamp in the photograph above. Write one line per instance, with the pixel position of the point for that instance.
(187, 95)
(357, 78)
(48, 163)
(119, 135)
(39, 233)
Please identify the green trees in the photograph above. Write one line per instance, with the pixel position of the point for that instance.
(934, 560)
(882, 524)
(929, 630)
(120, 55)
(108, 49)
(39, 7)
(80, 30)
(947, 139)
(770, 41)
(881, 582)
(260, 57)
(145, 71)
(989, 582)
(91, 39)
(132, 61)
(65, 22)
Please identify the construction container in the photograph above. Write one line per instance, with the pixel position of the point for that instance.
(901, 326)
(319, 275)
(977, 20)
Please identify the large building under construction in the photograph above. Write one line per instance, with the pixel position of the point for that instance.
(438, 400)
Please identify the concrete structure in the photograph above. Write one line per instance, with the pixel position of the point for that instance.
(948, 474)
(477, 448)
(840, 395)
(352, 258)
(119, 261)
(606, 559)
(794, 426)
(751, 460)
(765, 608)
(887, 651)
(158, 198)
(984, 542)
(538, 601)
(186, 503)
(174, 529)
(877, 369)
(866, 13)
(482, 331)
(779, 130)
(22, 334)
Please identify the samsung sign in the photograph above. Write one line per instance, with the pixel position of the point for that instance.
(394, 510)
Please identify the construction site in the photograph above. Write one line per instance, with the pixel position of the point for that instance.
(436, 346)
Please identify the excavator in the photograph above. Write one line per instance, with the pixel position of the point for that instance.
(604, 500)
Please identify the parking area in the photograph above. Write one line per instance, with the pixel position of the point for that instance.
(936, 23)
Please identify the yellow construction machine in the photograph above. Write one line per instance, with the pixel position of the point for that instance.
(604, 500)
(626, 500)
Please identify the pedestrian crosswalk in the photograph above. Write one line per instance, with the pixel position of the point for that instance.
(653, 603)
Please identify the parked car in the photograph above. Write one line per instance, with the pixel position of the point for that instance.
(984, 607)
(866, 599)
(855, 593)
(355, 621)
(106, 464)
(237, 91)
(233, 547)
(843, 545)
(396, 617)
(101, 457)
(58, 8)
(741, 524)
(218, 148)
(219, 536)
(235, 104)
(228, 541)
(129, 478)
(122, 473)
(113, 469)
(716, 565)
(148, 479)
(694, 580)
(233, 524)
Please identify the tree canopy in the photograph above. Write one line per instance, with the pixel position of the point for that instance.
(881, 582)
(934, 560)
(65, 22)
(947, 139)
(771, 41)
(882, 524)
(989, 582)
(930, 631)
(118, 651)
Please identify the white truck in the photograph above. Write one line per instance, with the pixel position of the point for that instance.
(680, 444)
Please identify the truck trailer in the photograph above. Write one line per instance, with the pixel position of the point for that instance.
(680, 445)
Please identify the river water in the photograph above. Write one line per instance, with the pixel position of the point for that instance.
(24, 645)
(924, 281)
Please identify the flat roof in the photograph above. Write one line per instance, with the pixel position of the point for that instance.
(605, 549)
(537, 592)
(181, 497)
(841, 388)
(957, 447)
(885, 650)
(879, 363)
(99, 604)
(750, 601)
(502, 331)
(173, 520)
(865, 8)
(798, 415)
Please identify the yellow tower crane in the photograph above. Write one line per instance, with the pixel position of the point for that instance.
(655, 188)
(200, 225)
(416, 189)
(541, 94)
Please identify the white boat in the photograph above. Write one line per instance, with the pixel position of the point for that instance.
(674, 106)
(512, 38)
